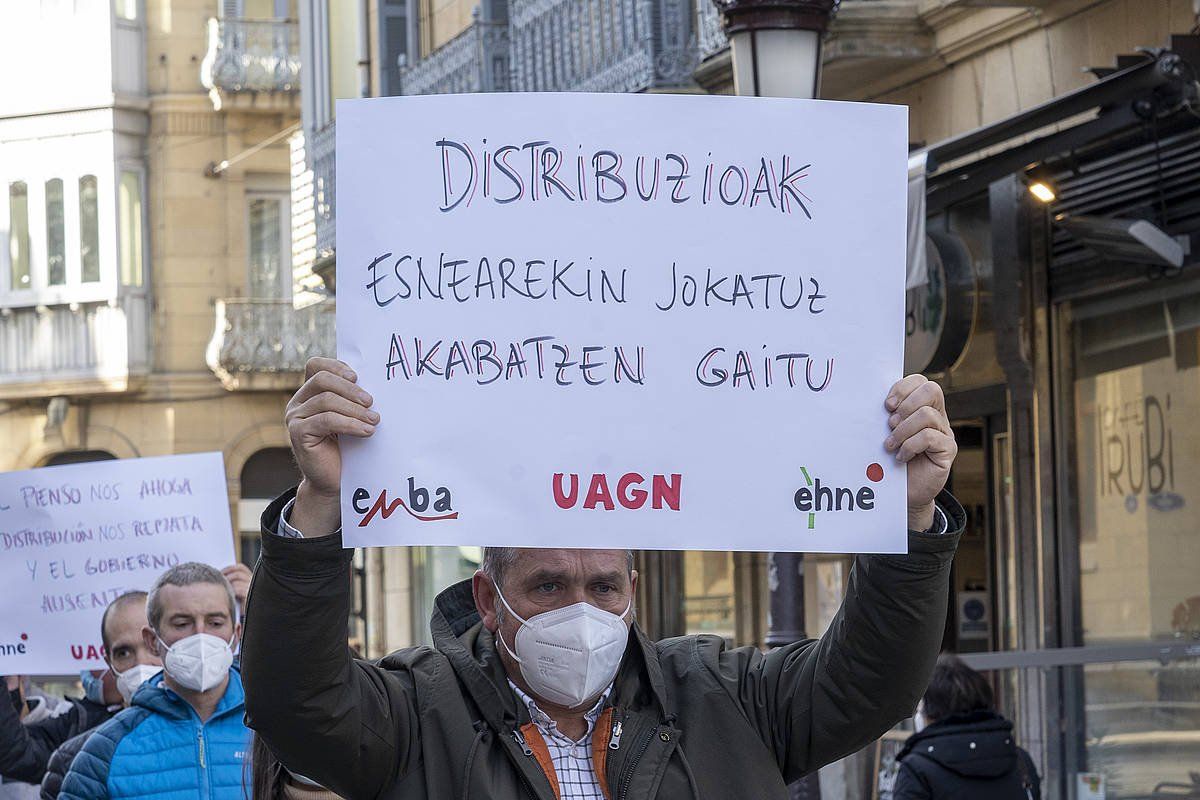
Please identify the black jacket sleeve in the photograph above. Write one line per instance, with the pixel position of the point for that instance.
(909, 785)
(1029, 774)
(344, 723)
(25, 749)
(816, 701)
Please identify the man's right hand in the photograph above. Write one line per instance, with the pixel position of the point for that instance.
(328, 405)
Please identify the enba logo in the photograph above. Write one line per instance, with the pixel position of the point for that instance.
(419, 502)
(814, 497)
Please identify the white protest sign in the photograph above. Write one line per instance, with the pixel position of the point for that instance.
(76, 537)
(632, 321)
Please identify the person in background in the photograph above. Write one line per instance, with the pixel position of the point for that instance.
(271, 780)
(32, 726)
(28, 742)
(130, 664)
(963, 748)
(30, 708)
(183, 735)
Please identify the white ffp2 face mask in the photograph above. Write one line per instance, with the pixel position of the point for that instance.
(570, 654)
(198, 662)
(129, 680)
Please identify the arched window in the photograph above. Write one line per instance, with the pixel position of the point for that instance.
(266, 475)
(78, 457)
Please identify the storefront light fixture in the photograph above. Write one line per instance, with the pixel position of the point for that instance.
(1042, 191)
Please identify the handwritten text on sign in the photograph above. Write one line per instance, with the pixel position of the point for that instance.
(623, 320)
(74, 538)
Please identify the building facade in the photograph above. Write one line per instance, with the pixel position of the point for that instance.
(146, 286)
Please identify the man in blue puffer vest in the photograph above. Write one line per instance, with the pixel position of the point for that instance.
(183, 736)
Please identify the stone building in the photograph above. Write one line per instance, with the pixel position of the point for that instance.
(146, 287)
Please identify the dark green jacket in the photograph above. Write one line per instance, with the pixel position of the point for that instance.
(699, 719)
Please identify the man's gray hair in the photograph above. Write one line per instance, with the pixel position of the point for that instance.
(187, 574)
(498, 560)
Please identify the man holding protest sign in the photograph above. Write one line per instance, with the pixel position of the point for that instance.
(42, 749)
(130, 664)
(540, 683)
(27, 749)
(183, 732)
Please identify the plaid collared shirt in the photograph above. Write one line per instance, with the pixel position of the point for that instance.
(572, 759)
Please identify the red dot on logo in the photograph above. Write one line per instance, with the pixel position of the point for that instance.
(24, 635)
(875, 473)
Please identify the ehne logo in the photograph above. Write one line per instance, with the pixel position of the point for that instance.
(418, 503)
(813, 497)
(14, 648)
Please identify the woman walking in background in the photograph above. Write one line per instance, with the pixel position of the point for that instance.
(963, 748)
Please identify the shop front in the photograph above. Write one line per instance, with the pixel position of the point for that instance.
(1075, 397)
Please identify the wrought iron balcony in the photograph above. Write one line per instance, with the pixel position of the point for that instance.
(477, 60)
(602, 45)
(74, 349)
(252, 55)
(263, 344)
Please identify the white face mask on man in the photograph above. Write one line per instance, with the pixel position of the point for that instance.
(132, 678)
(570, 654)
(198, 662)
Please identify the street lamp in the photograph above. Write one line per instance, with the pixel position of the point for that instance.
(776, 52)
(775, 47)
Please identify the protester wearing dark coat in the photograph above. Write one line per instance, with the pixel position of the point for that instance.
(971, 756)
(967, 751)
(25, 750)
(688, 717)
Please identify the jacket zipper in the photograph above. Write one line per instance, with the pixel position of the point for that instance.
(624, 791)
(614, 741)
(200, 739)
(520, 740)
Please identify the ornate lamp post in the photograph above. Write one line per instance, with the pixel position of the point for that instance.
(776, 52)
(776, 45)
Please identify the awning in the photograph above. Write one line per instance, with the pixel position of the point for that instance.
(1116, 98)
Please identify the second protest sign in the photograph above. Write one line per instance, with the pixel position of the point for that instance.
(623, 321)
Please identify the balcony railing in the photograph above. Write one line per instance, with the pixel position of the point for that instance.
(81, 348)
(263, 344)
(477, 60)
(601, 45)
(324, 190)
(710, 34)
(252, 55)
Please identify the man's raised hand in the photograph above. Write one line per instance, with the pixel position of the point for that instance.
(328, 405)
(922, 438)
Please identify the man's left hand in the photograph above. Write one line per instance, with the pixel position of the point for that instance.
(238, 576)
(921, 437)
